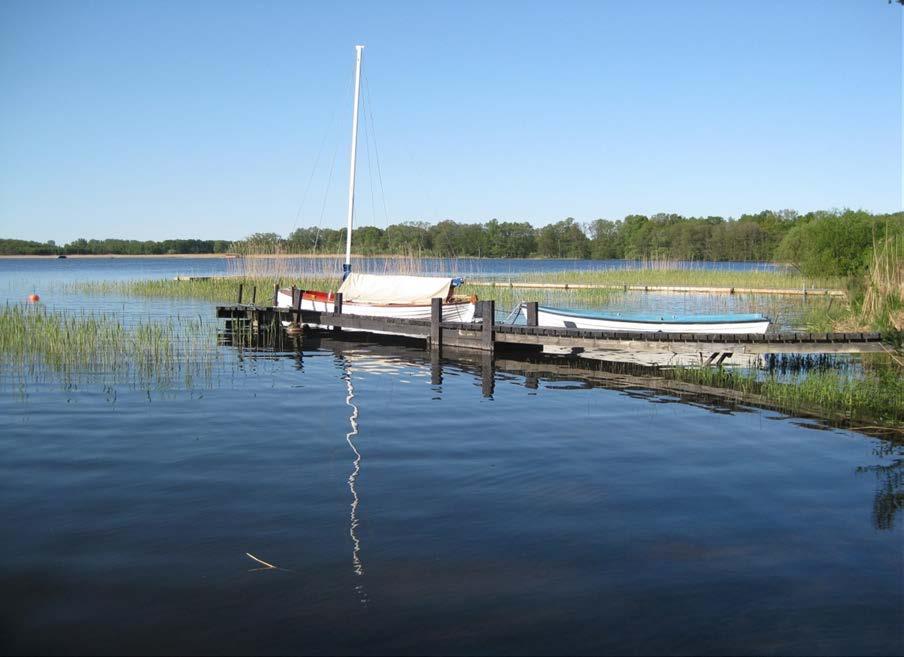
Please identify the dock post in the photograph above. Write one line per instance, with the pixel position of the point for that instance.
(295, 327)
(532, 313)
(337, 308)
(489, 319)
(254, 295)
(241, 285)
(276, 293)
(436, 324)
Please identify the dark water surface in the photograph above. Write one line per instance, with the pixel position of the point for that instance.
(461, 506)
(417, 509)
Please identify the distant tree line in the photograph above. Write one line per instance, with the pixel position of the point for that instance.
(114, 247)
(818, 243)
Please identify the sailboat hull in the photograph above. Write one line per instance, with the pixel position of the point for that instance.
(453, 311)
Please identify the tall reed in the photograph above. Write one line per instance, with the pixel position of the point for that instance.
(883, 301)
(37, 344)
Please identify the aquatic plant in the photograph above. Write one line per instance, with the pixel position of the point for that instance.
(215, 289)
(674, 274)
(883, 300)
(37, 344)
(875, 397)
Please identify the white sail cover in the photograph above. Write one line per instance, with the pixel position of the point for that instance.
(384, 289)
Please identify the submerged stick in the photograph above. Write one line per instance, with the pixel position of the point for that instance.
(269, 566)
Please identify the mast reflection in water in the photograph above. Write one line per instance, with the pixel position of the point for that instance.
(357, 564)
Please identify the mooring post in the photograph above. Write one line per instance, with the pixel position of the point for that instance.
(276, 294)
(337, 308)
(241, 285)
(254, 295)
(295, 327)
(298, 307)
(436, 324)
(532, 313)
(489, 319)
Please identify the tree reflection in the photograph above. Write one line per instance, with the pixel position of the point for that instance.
(889, 498)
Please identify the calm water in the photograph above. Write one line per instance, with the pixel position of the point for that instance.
(41, 271)
(460, 506)
(48, 277)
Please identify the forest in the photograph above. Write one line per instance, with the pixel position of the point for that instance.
(818, 243)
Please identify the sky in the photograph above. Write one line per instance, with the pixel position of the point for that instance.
(155, 120)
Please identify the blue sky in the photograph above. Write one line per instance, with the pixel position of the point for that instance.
(150, 120)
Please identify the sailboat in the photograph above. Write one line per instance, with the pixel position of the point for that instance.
(380, 295)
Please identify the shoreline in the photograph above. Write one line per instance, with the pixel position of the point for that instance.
(117, 256)
(224, 256)
(311, 256)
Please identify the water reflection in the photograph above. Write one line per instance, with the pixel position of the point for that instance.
(357, 564)
(389, 355)
(889, 498)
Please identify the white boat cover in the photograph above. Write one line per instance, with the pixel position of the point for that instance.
(384, 289)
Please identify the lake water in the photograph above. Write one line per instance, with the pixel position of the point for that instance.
(462, 506)
(49, 278)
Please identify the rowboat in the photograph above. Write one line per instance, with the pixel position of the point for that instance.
(647, 322)
(379, 295)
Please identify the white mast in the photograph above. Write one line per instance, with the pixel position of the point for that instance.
(351, 175)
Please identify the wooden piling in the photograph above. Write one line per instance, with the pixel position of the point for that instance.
(241, 285)
(295, 327)
(254, 295)
(276, 294)
(337, 308)
(436, 324)
(532, 308)
(489, 321)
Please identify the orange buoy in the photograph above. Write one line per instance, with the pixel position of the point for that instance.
(33, 298)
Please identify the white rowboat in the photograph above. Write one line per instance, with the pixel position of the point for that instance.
(649, 323)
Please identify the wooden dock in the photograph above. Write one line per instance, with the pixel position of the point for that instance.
(487, 335)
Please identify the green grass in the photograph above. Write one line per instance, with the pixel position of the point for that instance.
(876, 397)
(676, 276)
(220, 290)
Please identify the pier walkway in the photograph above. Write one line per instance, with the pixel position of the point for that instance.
(488, 335)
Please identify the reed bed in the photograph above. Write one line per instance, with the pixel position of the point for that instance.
(218, 290)
(686, 276)
(875, 397)
(883, 301)
(37, 345)
(875, 299)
